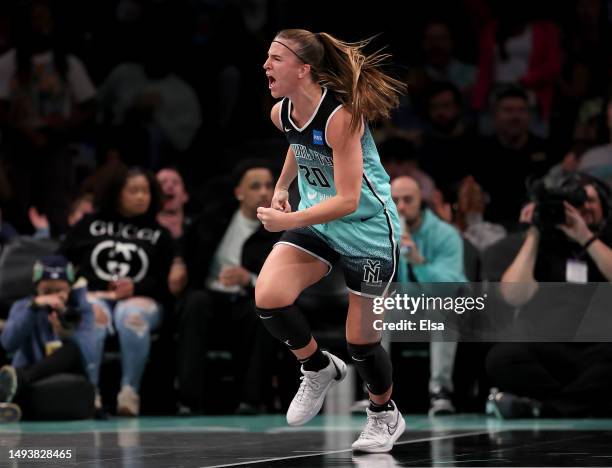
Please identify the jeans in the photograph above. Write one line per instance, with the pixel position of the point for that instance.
(132, 319)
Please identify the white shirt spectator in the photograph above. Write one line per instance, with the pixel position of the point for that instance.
(47, 93)
(229, 252)
(178, 115)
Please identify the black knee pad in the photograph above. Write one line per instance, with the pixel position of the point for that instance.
(286, 324)
(373, 365)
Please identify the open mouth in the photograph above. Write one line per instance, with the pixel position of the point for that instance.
(271, 81)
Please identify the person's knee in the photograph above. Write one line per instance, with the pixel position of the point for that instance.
(135, 314)
(135, 322)
(100, 316)
(273, 296)
(359, 337)
(286, 324)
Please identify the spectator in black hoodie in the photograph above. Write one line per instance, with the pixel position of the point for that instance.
(125, 255)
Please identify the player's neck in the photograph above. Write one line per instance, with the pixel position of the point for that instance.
(304, 103)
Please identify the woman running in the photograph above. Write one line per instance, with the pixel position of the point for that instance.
(330, 91)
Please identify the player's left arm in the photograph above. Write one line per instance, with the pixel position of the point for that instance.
(348, 171)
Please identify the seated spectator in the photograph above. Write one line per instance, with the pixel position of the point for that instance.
(48, 334)
(225, 257)
(440, 62)
(450, 143)
(433, 254)
(155, 112)
(560, 379)
(172, 216)
(46, 98)
(125, 255)
(517, 51)
(399, 158)
(598, 160)
(468, 216)
(568, 165)
(7, 231)
(584, 75)
(510, 157)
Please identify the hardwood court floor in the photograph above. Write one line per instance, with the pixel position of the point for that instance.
(258, 441)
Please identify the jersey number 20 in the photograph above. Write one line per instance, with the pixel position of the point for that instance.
(309, 172)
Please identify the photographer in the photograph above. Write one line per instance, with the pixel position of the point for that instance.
(49, 334)
(568, 242)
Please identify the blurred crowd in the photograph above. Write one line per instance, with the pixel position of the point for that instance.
(135, 148)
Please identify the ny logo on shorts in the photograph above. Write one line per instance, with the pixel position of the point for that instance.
(371, 271)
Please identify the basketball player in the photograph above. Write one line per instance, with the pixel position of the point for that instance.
(330, 91)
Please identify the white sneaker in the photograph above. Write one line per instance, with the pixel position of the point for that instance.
(128, 401)
(308, 400)
(9, 412)
(98, 401)
(381, 431)
(441, 407)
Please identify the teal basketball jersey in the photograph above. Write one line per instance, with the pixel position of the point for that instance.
(314, 158)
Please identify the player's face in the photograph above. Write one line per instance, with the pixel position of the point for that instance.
(282, 69)
(407, 197)
(135, 196)
(255, 189)
(173, 189)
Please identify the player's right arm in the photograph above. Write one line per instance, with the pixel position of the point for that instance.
(280, 200)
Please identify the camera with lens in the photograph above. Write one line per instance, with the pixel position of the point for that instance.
(549, 210)
(70, 316)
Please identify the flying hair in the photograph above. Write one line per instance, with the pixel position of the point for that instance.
(356, 79)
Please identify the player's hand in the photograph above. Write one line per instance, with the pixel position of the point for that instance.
(280, 201)
(274, 220)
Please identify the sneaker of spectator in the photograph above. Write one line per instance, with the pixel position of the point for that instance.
(8, 383)
(508, 406)
(360, 406)
(9, 412)
(128, 402)
(100, 412)
(440, 403)
(247, 409)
